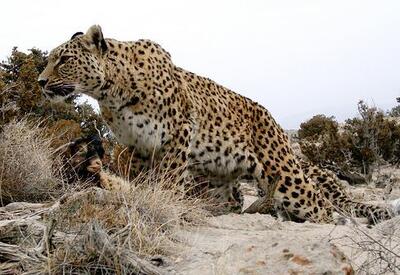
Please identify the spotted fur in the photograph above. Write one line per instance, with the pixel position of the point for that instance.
(180, 119)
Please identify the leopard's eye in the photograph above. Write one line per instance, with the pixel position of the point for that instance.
(64, 59)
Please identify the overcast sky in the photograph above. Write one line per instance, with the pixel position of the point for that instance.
(297, 58)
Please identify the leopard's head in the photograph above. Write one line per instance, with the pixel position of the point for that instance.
(76, 66)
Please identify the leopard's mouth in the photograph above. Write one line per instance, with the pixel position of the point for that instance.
(62, 90)
(59, 91)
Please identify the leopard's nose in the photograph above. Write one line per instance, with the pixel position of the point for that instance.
(42, 82)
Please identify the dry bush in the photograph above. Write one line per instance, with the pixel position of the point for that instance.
(96, 231)
(373, 250)
(143, 220)
(26, 164)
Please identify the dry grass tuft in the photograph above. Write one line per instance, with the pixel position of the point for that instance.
(96, 231)
(141, 221)
(26, 164)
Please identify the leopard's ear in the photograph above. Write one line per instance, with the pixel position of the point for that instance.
(76, 34)
(94, 36)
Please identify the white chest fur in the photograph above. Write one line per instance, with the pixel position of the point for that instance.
(146, 135)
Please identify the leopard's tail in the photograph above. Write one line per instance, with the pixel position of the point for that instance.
(335, 192)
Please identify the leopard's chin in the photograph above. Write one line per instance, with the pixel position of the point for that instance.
(56, 98)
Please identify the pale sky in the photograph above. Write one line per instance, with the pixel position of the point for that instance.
(296, 58)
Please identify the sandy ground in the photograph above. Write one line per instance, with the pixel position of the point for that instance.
(261, 244)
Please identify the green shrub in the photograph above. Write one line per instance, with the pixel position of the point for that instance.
(320, 140)
(361, 142)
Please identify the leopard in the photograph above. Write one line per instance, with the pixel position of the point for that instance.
(177, 118)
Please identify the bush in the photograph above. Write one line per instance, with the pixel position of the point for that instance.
(317, 126)
(395, 112)
(320, 140)
(95, 231)
(27, 171)
(360, 143)
(372, 137)
(19, 77)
